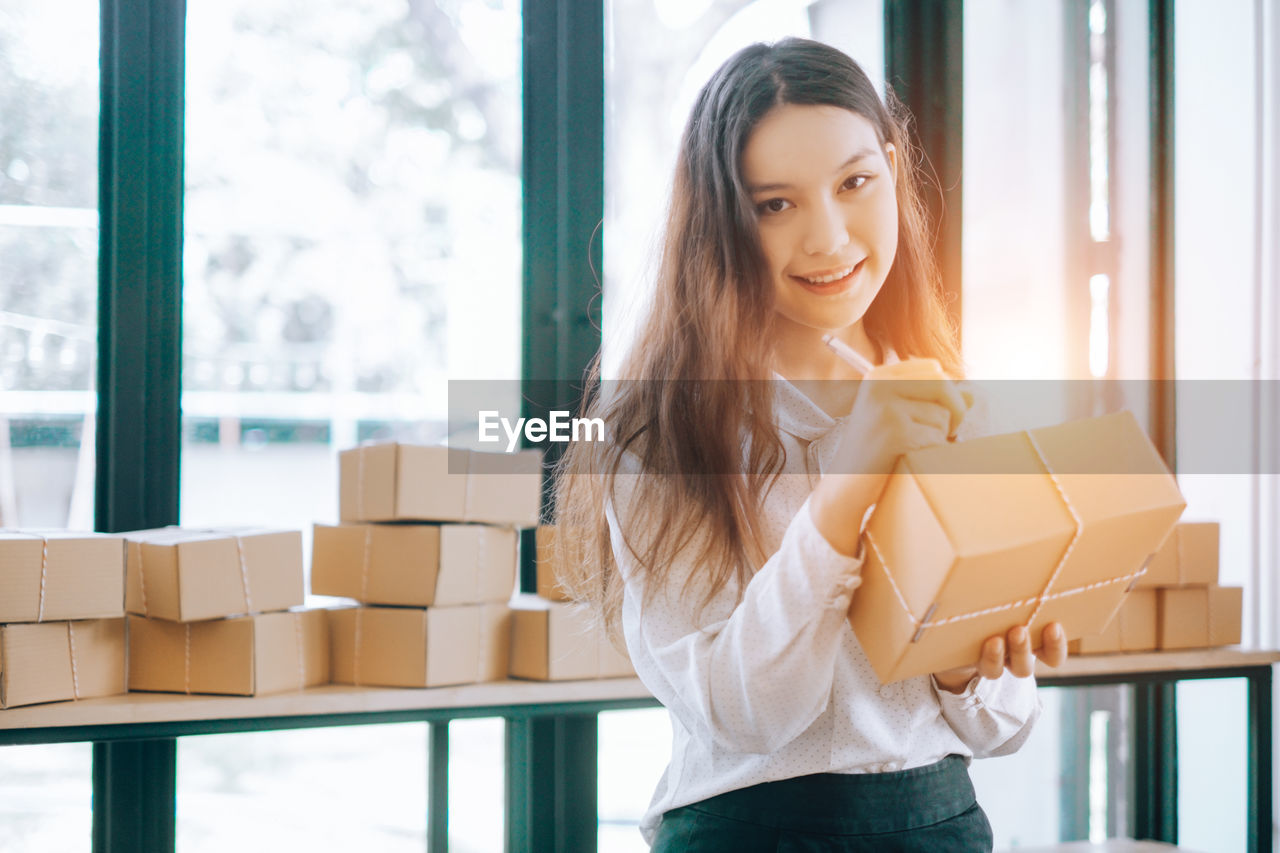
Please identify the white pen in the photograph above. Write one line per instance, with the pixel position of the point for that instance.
(848, 354)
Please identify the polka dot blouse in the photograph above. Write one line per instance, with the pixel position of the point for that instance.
(772, 683)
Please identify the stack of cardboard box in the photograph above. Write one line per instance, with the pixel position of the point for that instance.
(61, 616)
(427, 545)
(209, 612)
(552, 640)
(1178, 603)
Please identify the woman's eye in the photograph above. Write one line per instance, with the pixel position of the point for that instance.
(854, 182)
(773, 205)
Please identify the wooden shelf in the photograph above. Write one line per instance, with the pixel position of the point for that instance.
(1138, 663)
(333, 699)
(134, 708)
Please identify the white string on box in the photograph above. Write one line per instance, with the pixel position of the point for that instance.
(425, 650)
(142, 583)
(75, 675)
(365, 560)
(926, 622)
(186, 664)
(1038, 601)
(1075, 516)
(355, 662)
(1177, 556)
(358, 641)
(466, 486)
(44, 573)
(244, 575)
(481, 554)
(359, 451)
(297, 635)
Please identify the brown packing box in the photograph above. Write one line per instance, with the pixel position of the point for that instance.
(1132, 629)
(243, 656)
(58, 575)
(1197, 617)
(188, 575)
(52, 661)
(547, 586)
(1189, 557)
(420, 647)
(418, 565)
(553, 641)
(406, 482)
(955, 556)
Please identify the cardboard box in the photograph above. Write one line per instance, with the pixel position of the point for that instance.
(1197, 617)
(407, 482)
(1189, 557)
(416, 647)
(554, 641)
(243, 656)
(53, 661)
(1132, 629)
(54, 575)
(956, 555)
(547, 567)
(187, 575)
(418, 565)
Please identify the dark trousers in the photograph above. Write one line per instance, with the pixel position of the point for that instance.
(928, 809)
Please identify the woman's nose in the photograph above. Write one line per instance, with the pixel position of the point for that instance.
(826, 231)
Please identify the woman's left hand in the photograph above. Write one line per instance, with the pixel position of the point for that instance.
(1012, 652)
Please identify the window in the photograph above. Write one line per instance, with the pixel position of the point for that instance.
(353, 240)
(1226, 332)
(48, 340)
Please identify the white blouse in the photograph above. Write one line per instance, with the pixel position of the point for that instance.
(776, 685)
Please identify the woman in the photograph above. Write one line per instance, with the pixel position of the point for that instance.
(719, 530)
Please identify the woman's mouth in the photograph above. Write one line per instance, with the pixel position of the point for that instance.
(831, 281)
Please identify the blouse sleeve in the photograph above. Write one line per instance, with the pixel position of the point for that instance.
(992, 716)
(748, 675)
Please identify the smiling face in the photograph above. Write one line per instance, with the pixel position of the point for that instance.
(823, 189)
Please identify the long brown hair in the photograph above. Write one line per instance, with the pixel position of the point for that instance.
(691, 400)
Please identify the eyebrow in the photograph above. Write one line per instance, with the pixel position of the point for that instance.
(860, 154)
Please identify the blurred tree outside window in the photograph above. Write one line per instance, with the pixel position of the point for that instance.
(48, 261)
(352, 237)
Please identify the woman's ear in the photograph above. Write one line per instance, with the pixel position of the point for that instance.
(891, 157)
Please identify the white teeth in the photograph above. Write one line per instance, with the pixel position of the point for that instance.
(827, 279)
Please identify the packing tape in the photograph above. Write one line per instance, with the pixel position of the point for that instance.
(44, 574)
(927, 622)
(244, 575)
(71, 645)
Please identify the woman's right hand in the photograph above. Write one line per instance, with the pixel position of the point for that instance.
(899, 408)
